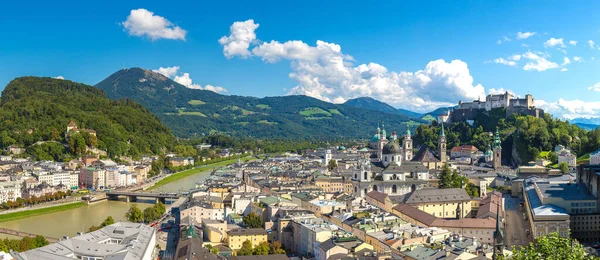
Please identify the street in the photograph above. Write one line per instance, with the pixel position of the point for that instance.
(515, 225)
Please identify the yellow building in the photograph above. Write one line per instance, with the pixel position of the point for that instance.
(443, 203)
(236, 237)
(215, 230)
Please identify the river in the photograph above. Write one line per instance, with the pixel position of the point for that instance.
(69, 222)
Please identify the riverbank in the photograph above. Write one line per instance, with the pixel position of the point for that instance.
(183, 174)
(37, 212)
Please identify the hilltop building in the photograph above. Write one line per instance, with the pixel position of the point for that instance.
(467, 111)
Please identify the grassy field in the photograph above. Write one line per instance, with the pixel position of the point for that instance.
(267, 122)
(196, 102)
(37, 212)
(314, 111)
(180, 175)
(428, 118)
(263, 106)
(584, 158)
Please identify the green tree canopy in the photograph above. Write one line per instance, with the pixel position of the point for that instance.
(262, 249)
(552, 247)
(564, 167)
(253, 221)
(332, 164)
(135, 214)
(246, 248)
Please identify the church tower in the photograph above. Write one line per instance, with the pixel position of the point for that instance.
(407, 146)
(498, 237)
(442, 145)
(382, 142)
(497, 160)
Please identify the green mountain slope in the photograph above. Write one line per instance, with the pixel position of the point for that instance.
(36, 109)
(191, 112)
(373, 104)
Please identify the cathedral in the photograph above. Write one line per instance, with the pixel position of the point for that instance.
(390, 168)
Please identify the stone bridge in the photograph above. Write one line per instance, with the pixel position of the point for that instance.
(132, 196)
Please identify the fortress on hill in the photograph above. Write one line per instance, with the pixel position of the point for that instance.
(467, 111)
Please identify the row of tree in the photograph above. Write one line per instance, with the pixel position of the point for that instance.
(23, 244)
(33, 200)
(264, 248)
(150, 214)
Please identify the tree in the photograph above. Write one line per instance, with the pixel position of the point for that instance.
(246, 248)
(108, 221)
(93, 228)
(262, 249)
(552, 157)
(564, 167)
(135, 214)
(446, 177)
(160, 208)
(151, 214)
(253, 221)
(551, 246)
(276, 248)
(332, 164)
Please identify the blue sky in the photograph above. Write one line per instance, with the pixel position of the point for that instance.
(410, 54)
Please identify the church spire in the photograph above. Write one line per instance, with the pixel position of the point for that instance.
(442, 130)
(497, 143)
(498, 237)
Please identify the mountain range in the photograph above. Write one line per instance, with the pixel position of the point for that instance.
(194, 112)
(373, 104)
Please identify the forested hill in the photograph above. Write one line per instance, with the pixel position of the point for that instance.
(524, 138)
(34, 109)
(190, 112)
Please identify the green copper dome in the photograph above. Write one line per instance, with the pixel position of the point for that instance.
(375, 138)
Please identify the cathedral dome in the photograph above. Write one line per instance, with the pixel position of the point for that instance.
(392, 148)
(375, 138)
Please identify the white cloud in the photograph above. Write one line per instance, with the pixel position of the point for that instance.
(563, 69)
(566, 61)
(239, 40)
(573, 42)
(595, 87)
(525, 35)
(505, 62)
(142, 22)
(553, 42)
(537, 62)
(185, 79)
(59, 77)
(494, 91)
(323, 71)
(515, 57)
(569, 109)
(168, 72)
(591, 43)
(577, 59)
(504, 39)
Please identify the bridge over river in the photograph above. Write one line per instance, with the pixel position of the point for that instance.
(132, 196)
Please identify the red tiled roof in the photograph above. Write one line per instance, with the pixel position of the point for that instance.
(415, 213)
(378, 196)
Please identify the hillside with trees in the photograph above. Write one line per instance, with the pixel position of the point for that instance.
(524, 138)
(36, 111)
(193, 112)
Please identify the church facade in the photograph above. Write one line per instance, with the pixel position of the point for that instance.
(390, 168)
